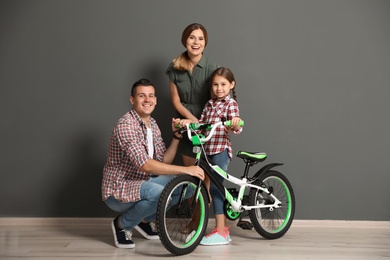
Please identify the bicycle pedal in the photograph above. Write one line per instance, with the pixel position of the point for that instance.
(245, 225)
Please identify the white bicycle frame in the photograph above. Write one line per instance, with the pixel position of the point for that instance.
(242, 183)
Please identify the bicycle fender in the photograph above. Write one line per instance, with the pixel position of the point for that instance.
(265, 169)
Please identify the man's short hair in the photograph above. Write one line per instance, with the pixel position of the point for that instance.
(141, 82)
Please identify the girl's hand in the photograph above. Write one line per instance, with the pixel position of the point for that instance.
(234, 123)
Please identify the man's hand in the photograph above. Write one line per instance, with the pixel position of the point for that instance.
(195, 171)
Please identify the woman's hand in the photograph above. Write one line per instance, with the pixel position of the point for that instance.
(181, 122)
(175, 124)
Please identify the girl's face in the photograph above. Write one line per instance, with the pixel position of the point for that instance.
(195, 43)
(221, 87)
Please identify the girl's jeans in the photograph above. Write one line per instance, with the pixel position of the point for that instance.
(222, 160)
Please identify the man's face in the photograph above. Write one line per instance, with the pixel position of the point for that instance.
(144, 100)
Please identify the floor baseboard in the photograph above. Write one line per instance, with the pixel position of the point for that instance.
(104, 221)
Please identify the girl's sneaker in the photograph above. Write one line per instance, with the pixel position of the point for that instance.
(216, 238)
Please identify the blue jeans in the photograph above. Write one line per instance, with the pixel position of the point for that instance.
(145, 209)
(222, 160)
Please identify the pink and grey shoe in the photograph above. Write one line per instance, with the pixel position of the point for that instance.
(216, 237)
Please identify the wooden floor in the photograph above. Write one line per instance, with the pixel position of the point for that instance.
(92, 239)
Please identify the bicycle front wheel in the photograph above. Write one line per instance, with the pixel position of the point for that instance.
(272, 222)
(177, 205)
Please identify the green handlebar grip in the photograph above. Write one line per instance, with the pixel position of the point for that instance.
(229, 123)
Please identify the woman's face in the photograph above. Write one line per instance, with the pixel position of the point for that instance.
(195, 43)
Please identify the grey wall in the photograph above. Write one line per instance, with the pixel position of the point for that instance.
(313, 84)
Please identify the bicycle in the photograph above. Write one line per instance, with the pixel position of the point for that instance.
(270, 202)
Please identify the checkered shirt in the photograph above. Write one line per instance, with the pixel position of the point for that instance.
(128, 151)
(212, 113)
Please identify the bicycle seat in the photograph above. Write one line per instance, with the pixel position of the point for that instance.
(252, 156)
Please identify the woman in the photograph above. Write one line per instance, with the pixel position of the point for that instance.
(189, 76)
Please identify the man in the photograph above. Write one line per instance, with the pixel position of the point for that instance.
(138, 167)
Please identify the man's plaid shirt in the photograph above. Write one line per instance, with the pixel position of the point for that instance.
(212, 113)
(127, 153)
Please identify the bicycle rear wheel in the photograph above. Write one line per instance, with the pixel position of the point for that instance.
(272, 223)
(175, 211)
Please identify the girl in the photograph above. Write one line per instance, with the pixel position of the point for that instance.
(219, 147)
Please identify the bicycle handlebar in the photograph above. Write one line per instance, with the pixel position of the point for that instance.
(210, 127)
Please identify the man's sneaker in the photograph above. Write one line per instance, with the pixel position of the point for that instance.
(122, 237)
(216, 238)
(148, 230)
